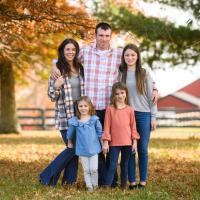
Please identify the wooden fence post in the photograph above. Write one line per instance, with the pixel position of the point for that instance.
(43, 118)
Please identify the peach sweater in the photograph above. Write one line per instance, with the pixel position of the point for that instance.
(120, 126)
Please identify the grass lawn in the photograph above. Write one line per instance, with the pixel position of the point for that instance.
(174, 168)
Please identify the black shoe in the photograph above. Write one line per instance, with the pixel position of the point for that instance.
(140, 186)
(133, 187)
(123, 187)
(106, 187)
(114, 185)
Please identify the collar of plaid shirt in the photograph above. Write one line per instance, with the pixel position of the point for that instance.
(94, 47)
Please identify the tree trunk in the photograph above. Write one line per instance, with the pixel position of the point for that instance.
(8, 119)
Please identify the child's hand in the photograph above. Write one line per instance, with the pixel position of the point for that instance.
(105, 147)
(134, 146)
(70, 145)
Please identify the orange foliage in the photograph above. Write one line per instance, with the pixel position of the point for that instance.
(25, 21)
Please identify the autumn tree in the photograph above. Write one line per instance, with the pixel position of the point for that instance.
(25, 26)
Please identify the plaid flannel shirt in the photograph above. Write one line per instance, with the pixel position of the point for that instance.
(64, 106)
(100, 72)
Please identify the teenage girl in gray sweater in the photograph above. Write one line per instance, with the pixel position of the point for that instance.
(140, 87)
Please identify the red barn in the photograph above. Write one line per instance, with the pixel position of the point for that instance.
(186, 98)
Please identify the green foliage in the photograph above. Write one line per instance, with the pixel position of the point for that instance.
(161, 40)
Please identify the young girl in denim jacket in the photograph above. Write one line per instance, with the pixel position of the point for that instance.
(87, 131)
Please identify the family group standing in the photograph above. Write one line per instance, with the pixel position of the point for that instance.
(80, 119)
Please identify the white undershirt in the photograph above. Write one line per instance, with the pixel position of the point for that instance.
(102, 52)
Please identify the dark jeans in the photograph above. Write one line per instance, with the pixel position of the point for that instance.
(103, 161)
(114, 155)
(71, 168)
(143, 124)
(67, 161)
(101, 115)
(64, 136)
(51, 173)
(102, 168)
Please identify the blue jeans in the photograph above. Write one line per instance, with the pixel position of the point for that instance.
(102, 160)
(51, 174)
(143, 123)
(64, 136)
(102, 168)
(114, 155)
(67, 161)
(71, 169)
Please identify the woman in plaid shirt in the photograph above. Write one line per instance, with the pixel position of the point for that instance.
(64, 91)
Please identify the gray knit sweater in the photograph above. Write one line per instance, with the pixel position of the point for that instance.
(142, 103)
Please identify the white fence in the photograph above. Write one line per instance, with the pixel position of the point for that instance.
(37, 118)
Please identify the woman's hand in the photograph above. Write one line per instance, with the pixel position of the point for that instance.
(153, 125)
(70, 144)
(59, 82)
(105, 147)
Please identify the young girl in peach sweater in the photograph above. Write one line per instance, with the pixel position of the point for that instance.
(120, 133)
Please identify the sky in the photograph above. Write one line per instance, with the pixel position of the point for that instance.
(171, 80)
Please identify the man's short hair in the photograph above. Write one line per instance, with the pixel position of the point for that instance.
(102, 25)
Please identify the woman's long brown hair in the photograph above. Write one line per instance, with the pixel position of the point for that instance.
(140, 73)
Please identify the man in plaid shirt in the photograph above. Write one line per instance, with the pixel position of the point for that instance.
(101, 63)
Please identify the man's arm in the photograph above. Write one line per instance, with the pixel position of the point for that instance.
(55, 72)
(155, 90)
(154, 94)
(80, 56)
